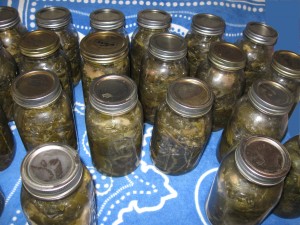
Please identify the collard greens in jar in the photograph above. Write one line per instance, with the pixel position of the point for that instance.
(57, 189)
(114, 121)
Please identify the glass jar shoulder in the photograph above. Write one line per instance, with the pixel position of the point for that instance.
(292, 84)
(11, 39)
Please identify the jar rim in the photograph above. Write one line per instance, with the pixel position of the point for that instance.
(260, 33)
(9, 17)
(154, 19)
(107, 19)
(208, 24)
(53, 17)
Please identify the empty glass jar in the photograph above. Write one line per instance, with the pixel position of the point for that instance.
(59, 20)
(114, 122)
(205, 30)
(57, 188)
(182, 126)
(248, 183)
(164, 62)
(42, 110)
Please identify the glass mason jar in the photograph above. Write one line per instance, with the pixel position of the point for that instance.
(7, 143)
(11, 30)
(205, 30)
(249, 182)
(150, 21)
(8, 72)
(263, 111)
(57, 188)
(288, 206)
(42, 111)
(258, 43)
(103, 52)
(182, 126)
(114, 121)
(41, 50)
(108, 20)
(164, 62)
(59, 20)
(285, 70)
(223, 71)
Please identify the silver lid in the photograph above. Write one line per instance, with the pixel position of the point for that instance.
(154, 19)
(36, 89)
(9, 17)
(189, 97)
(270, 97)
(262, 160)
(261, 33)
(227, 56)
(166, 46)
(107, 19)
(53, 17)
(51, 171)
(286, 63)
(208, 24)
(113, 94)
(39, 43)
(104, 47)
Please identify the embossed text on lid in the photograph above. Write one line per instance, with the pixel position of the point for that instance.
(104, 47)
(9, 17)
(208, 24)
(167, 46)
(189, 97)
(286, 63)
(53, 17)
(154, 19)
(107, 19)
(51, 171)
(262, 160)
(270, 97)
(113, 94)
(227, 56)
(261, 33)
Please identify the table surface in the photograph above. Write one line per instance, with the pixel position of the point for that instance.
(148, 196)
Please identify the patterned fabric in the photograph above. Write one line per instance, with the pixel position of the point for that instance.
(146, 196)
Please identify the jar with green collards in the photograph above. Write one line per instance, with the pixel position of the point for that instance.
(223, 71)
(258, 43)
(103, 52)
(59, 20)
(264, 110)
(8, 72)
(114, 121)
(7, 143)
(150, 21)
(205, 30)
(108, 20)
(11, 30)
(289, 204)
(164, 62)
(248, 183)
(182, 126)
(41, 51)
(57, 188)
(42, 110)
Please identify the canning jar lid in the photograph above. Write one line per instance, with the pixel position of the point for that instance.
(262, 160)
(36, 89)
(107, 19)
(9, 17)
(208, 24)
(271, 97)
(286, 63)
(53, 17)
(189, 97)
(113, 94)
(39, 43)
(261, 33)
(104, 47)
(166, 46)
(51, 171)
(227, 56)
(154, 19)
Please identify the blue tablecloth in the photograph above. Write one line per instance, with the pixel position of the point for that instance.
(146, 196)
